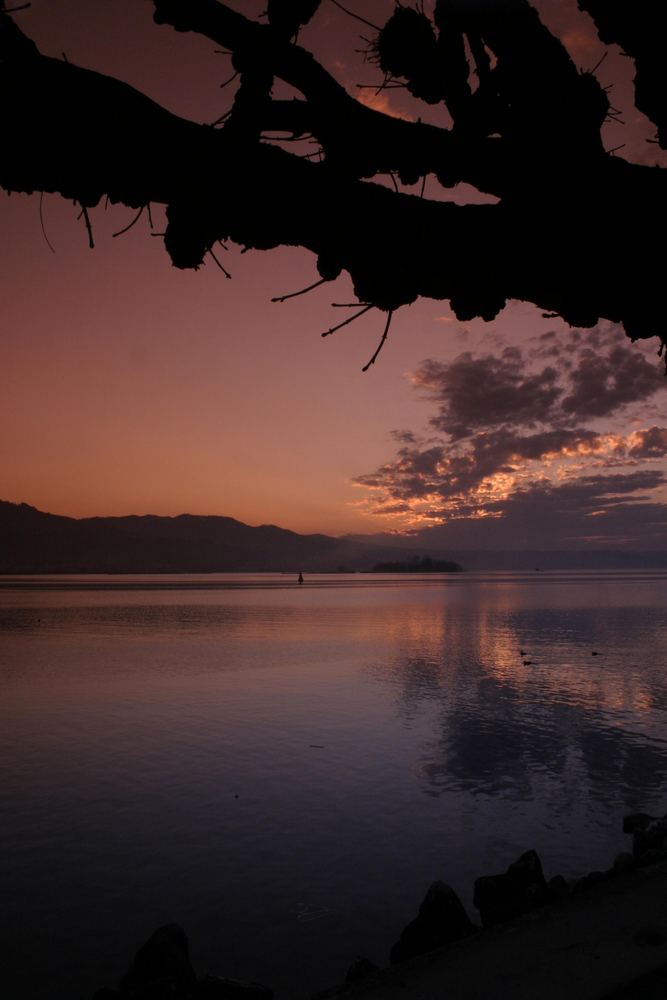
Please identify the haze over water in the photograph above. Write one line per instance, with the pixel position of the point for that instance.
(283, 770)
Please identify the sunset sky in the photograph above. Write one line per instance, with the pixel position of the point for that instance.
(131, 387)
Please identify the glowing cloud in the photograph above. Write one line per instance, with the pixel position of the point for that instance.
(507, 435)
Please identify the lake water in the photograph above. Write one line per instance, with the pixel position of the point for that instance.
(283, 770)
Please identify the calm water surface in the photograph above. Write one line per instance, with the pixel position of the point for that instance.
(283, 769)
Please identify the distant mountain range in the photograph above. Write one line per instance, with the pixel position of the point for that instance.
(35, 542)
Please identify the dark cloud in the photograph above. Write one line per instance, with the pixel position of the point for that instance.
(601, 384)
(584, 378)
(487, 391)
(650, 443)
(590, 512)
(589, 491)
(412, 474)
(501, 451)
(395, 508)
(453, 471)
(404, 437)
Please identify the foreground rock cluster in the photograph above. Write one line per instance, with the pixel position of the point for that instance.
(161, 969)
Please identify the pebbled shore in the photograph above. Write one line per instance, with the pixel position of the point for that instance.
(607, 941)
(602, 937)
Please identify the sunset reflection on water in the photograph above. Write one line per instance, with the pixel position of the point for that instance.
(234, 753)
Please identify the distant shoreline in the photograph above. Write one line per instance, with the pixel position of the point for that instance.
(417, 565)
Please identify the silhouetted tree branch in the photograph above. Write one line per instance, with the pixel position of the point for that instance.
(640, 28)
(572, 227)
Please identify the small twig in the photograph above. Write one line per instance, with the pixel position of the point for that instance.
(599, 62)
(130, 224)
(393, 181)
(13, 10)
(423, 187)
(384, 86)
(222, 118)
(350, 319)
(150, 215)
(223, 269)
(223, 52)
(615, 149)
(288, 138)
(302, 291)
(231, 79)
(381, 344)
(41, 222)
(357, 17)
(349, 305)
(65, 59)
(89, 228)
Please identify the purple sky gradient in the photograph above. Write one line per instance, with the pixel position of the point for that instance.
(130, 387)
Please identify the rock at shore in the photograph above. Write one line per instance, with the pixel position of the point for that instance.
(361, 968)
(441, 919)
(649, 838)
(518, 890)
(161, 967)
(637, 821)
(161, 970)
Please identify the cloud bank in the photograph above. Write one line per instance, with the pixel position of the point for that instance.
(555, 444)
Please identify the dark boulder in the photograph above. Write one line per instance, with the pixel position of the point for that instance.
(521, 888)
(441, 919)
(652, 856)
(558, 888)
(361, 968)
(650, 837)
(636, 821)
(623, 862)
(217, 988)
(161, 969)
(591, 879)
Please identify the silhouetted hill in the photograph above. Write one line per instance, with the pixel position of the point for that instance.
(35, 542)
(32, 541)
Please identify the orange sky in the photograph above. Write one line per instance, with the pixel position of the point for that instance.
(130, 387)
